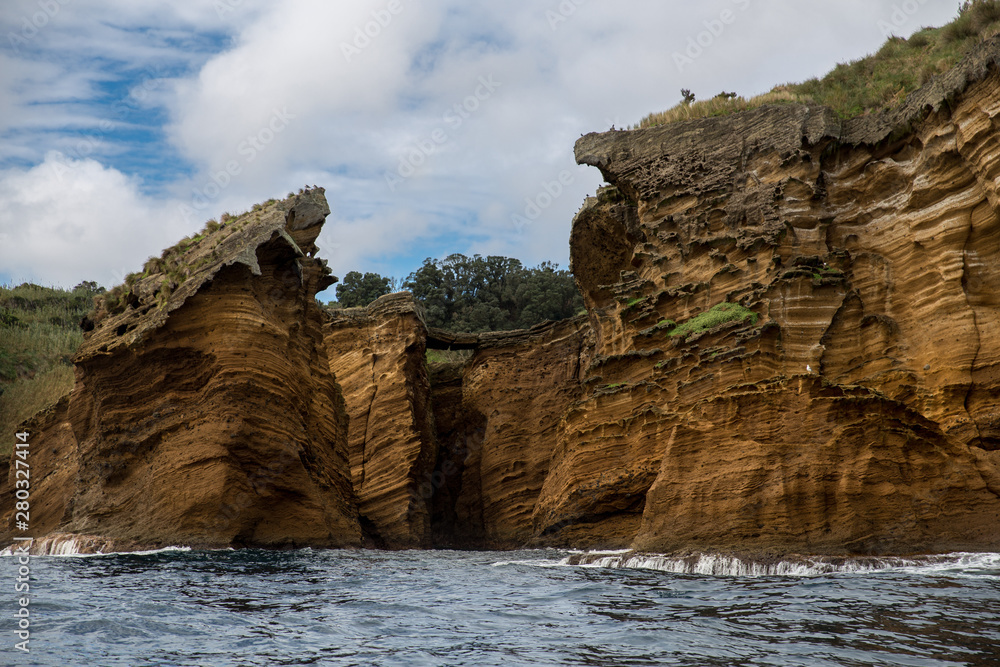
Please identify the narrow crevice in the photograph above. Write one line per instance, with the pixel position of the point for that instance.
(368, 425)
(979, 337)
(455, 509)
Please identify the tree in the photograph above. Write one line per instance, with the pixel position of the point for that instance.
(434, 290)
(360, 290)
(492, 293)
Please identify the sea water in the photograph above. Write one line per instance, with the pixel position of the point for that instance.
(251, 607)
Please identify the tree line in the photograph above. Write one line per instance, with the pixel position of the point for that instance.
(475, 294)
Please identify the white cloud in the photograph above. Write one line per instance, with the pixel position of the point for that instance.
(64, 221)
(223, 77)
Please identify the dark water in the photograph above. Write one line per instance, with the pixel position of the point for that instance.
(521, 608)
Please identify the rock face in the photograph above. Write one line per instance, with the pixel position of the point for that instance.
(796, 331)
(515, 390)
(204, 411)
(378, 356)
(454, 455)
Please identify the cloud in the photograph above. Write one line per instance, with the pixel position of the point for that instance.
(65, 221)
(179, 111)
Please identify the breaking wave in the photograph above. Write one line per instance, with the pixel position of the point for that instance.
(723, 565)
(81, 546)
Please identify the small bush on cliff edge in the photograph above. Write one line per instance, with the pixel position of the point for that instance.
(878, 81)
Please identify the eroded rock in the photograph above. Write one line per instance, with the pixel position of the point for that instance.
(204, 412)
(848, 403)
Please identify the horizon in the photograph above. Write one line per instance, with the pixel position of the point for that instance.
(435, 129)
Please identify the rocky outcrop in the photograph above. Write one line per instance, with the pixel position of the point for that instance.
(456, 454)
(378, 356)
(204, 410)
(795, 329)
(515, 390)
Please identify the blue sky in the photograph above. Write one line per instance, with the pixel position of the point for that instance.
(125, 125)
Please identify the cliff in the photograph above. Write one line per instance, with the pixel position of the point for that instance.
(452, 454)
(515, 390)
(204, 411)
(378, 355)
(796, 330)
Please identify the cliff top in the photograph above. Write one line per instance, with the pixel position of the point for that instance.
(701, 153)
(868, 85)
(143, 303)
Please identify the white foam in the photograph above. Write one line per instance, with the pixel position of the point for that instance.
(797, 566)
(64, 545)
(720, 565)
(533, 563)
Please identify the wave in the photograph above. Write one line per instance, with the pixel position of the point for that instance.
(83, 546)
(724, 565)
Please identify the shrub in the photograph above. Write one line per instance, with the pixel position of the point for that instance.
(153, 265)
(448, 356)
(919, 40)
(870, 84)
(959, 30)
(718, 314)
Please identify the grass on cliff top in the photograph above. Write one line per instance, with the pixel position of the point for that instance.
(39, 333)
(718, 314)
(172, 262)
(870, 84)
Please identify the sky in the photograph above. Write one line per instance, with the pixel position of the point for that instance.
(436, 126)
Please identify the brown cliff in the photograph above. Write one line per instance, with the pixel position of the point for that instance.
(204, 411)
(454, 455)
(515, 390)
(846, 399)
(378, 356)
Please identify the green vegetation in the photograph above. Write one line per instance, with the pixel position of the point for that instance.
(360, 290)
(718, 314)
(619, 385)
(39, 333)
(878, 81)
(448, 356)
(171, 263)
(475, 294)
(492, 293)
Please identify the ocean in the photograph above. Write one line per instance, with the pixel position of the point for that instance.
(180, 607)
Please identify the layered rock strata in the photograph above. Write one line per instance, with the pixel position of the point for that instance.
(204, 411)
(378, 356)
(516, 389)
(455, 454)
(795, 325)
